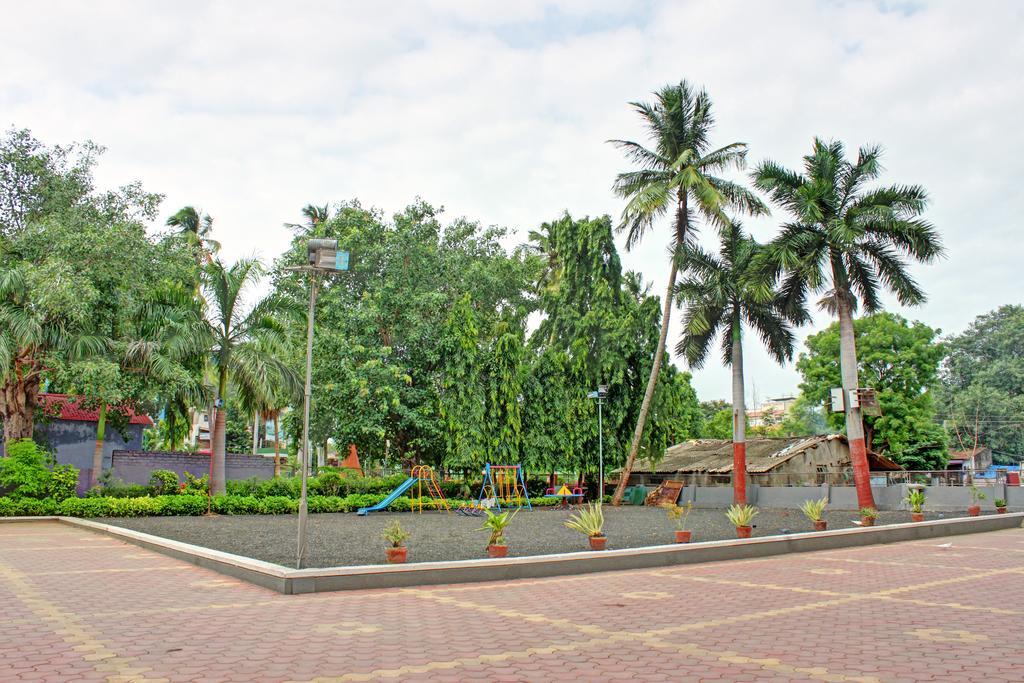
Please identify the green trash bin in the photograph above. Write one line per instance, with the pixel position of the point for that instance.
(635, 495)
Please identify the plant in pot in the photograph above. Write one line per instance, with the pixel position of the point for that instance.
(395, 535)
(868, 516)
(915, 499)
(976, 497)
(590, 521)
(679, 513)
(1000, 506)
(813, 510)
(496, 524)
(741, 516)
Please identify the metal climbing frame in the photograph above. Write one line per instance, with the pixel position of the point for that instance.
(506, 485)
(425, 478)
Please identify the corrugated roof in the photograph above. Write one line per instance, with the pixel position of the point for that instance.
(64, 407)
(714, 456)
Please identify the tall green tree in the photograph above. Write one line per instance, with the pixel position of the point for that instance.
(850, 242)
(196, 228)
(723, 295)
(236, 353)
(900, 361)
(678, 174)
(982, 398)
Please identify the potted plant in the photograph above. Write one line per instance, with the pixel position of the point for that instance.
(740, 516)
(395, 535)
(813, 510)
(1000, 506)
(679, 513)
(496, 524)
(976, 496)
(868, 516)
(915, 499)
(590, 521)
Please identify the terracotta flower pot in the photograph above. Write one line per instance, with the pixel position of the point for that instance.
(497, 551)
(917, 516)
(397, 555)
(820, 525)
(974, 510)
(867, 521)
(743, 531)
(1001, 510)
(682, 536)
(598, 542)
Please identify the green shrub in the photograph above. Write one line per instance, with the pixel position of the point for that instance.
(24, 473)
(27, 507)
(163, 482)
(183, 505)
(278, 505)
(63, 482)
(329, 482)
(196, 485)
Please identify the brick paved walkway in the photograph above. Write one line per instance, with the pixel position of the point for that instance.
(81, 606)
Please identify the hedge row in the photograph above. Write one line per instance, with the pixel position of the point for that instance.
(175, 505)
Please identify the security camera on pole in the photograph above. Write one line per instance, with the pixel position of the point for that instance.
(323, 258)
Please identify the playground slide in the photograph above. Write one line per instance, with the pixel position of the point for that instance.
(402, 488)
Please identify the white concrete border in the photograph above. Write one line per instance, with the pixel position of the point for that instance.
(291, 581)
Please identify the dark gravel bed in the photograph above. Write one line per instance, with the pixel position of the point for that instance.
(347, 539)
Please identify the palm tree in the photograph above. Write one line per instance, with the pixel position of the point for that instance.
(235, 352)
(196, 227)
(315, 216)
(848, 242)
(677, 174)
(723, 297)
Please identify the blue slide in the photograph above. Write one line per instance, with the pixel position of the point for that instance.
(405, 486)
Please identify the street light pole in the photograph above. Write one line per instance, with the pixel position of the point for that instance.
(300, 551)
(323, 257)
(600, 394)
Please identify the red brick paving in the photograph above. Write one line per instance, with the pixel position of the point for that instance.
(83, 607)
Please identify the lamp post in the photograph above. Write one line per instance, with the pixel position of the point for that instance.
(600, 395)
(323, 258)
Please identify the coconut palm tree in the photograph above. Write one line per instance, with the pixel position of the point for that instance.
(848, 242)
(315, 216)
(240, 342)
(723, 296)
(678, 174)
(196, 227)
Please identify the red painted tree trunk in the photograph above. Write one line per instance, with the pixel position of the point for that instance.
(854, 421)
(739, 420)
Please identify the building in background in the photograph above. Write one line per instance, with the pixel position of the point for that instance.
(771, 412)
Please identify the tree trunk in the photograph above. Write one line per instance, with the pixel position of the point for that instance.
(739, 420)
(97, 451)
(854, 421)
(277, 448)
(652, 382)
(18, 400)
(218, 442)
(255, 432)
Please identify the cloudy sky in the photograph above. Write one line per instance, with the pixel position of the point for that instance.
(499, 111)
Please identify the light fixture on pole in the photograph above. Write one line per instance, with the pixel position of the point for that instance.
(322, 258)
(600, 395)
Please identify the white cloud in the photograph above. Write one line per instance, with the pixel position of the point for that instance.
(499, 111)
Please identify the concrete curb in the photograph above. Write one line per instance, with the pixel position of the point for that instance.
(292, 581)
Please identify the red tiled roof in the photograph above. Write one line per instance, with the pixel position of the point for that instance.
(64, 407)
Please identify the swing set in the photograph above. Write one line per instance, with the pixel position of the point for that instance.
(504, 485)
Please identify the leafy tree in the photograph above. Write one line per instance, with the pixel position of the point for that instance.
(461, 399)
(718, 425)
(850, 242)
(677, 175)
(723, 297)
(61, 292)
(900, 360)
(983, 383)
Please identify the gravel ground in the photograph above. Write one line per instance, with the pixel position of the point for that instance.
(347, 539)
